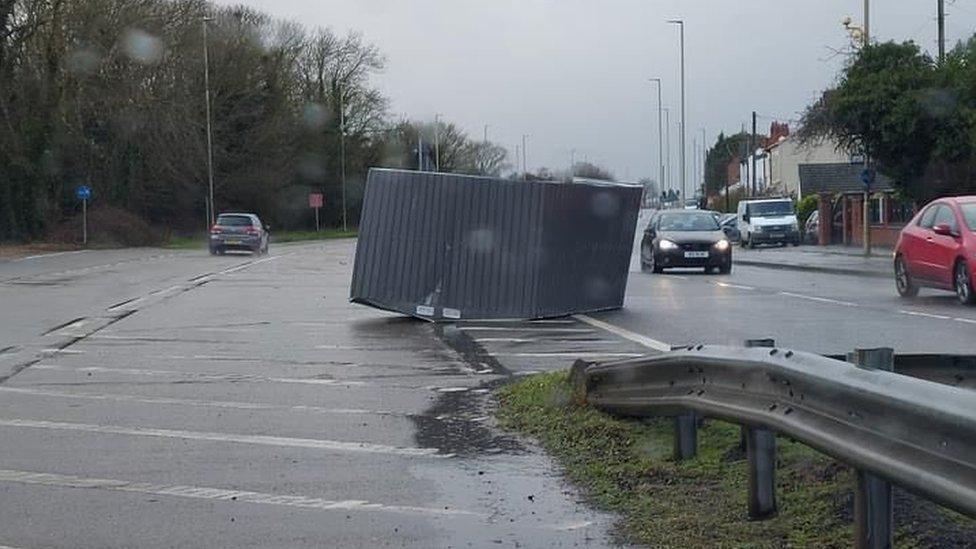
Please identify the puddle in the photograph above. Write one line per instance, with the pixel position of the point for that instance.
(456, 425)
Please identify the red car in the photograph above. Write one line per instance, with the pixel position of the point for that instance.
(937, 249)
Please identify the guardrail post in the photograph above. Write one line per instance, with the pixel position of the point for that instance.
(760, 446)
(685, 436)
(873, 502)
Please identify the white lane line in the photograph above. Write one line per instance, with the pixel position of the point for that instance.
(924, 315)
(502, 340)
(194, 375)
(220, 494)
(165, 290)
(736, 286)
(820, 299)
(262, 440)
(125, 305)
(570, 355)
(966, 320)
(7, 546)
(110, 397)
(526, 329)
(52, 351)
(248, 265)
(42, 256)
(624, 333)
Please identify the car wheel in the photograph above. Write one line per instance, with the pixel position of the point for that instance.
(750, 244)
(903, 281)
(213, 251)
(653, 266)
(796, 243)
(725, 269)
(964, 286)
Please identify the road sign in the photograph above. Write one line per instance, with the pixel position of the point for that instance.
(867, 178)
(315, 200)
(83, 192)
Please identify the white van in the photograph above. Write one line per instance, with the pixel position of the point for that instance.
(768, 221)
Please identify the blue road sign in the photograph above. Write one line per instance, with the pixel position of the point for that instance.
(867, 177)
(83, 192)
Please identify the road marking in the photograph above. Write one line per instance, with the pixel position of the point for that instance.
(924, 315)
(199, 403)
(124, 304)
(220, 494)
(165, 291)
(502, 340)
(624, 333)
(40, 256)
(195, 375)
(820, 299)
(966, 320)
(736, 286)
(570, 355)
(525, 329)
(262, 440)
(248, 264)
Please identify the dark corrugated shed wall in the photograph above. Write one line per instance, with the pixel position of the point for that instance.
(445, 246)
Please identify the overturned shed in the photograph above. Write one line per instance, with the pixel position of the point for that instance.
(446, 247)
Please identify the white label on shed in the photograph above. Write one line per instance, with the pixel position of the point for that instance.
(451, 313)
(424, 310)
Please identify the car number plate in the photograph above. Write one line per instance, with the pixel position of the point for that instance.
(233, 240)
(777, 235)
(695, 255)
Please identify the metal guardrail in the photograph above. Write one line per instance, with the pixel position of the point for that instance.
(918, 434)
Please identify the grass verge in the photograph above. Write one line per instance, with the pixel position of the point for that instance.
(277, 237)
(625, 466)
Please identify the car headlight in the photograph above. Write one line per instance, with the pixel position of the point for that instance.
(722, 245)
(667, 245)
(796, 226)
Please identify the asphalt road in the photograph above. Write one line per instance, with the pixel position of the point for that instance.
(173, 399)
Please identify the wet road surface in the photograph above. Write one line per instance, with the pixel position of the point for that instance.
(173, 399)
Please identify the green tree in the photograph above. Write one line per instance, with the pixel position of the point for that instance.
(717, 161)
(914, 119)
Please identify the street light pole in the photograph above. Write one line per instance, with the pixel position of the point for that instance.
(437, 143)
(867, 21)
(211, 209)
(681, 26)
(660, 131)
(342, 153)
(525, 163)
(486, 132)
(667, 123)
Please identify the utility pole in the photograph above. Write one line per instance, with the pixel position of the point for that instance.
(486, 132)
(867, 21)
(517, 159)
(342, 154)
(660, 132)
(572, 163)
(752, 154)
(681, 25)
(437, 143)
(941, 32)
(694, 160)
(206, 85)
(420, 151)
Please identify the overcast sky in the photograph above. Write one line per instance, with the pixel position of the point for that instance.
(573, 74)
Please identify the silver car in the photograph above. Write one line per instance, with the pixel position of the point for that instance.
(239, 231)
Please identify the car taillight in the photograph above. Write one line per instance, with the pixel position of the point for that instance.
(215, 230)
(251, 230)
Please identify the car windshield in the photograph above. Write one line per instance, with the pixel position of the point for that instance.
(771, 209)
(234, 221)
(969, 214)
(688, 222)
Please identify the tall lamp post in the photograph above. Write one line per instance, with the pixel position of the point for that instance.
(211, 209)
(681, 26)
(660, 133)
(437, 142)
(342, 153)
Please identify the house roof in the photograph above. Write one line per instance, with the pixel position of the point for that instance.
(838, 178)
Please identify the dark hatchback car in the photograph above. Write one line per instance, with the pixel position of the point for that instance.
(239, 231)
(685, 239)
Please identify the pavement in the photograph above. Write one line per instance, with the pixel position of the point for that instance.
(825, 259)
(158, 398)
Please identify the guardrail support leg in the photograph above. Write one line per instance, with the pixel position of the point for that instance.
(761, 455)
(873, 502)
(685, 436)
(767, 342)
